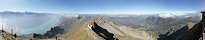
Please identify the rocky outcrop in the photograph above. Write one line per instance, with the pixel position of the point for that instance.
(173, 34)
(100, 28)
(196, 31)
(102, 32)
(34, 35)
(72, 23)
(188, 32)
(54, 31)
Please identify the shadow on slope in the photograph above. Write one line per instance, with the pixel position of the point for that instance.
(54, 31)
(173, 35)
(103, 32)
(194, 33)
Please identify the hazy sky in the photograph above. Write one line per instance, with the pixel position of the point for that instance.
(102, 6)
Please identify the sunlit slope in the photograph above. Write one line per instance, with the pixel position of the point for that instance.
(89, 31)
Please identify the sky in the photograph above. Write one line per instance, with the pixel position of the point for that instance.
(103, 6)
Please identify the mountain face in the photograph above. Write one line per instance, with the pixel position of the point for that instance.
(53, 32)
(170, 23)
(72, 23)
(188, 32)
(154, 24)
(196, 32)
(99, 28)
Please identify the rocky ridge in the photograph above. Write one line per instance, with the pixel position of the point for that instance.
(99, 29)
(188, 32)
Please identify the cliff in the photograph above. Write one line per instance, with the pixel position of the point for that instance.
(54, 31)
(188, 32)
(195, 33)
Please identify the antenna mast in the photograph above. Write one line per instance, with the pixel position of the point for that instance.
(2, 27)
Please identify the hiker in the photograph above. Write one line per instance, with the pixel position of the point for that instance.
(15, 35)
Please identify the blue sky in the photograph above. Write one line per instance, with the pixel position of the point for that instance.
(102, 6)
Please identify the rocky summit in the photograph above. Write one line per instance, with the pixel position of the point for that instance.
(101, 29)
